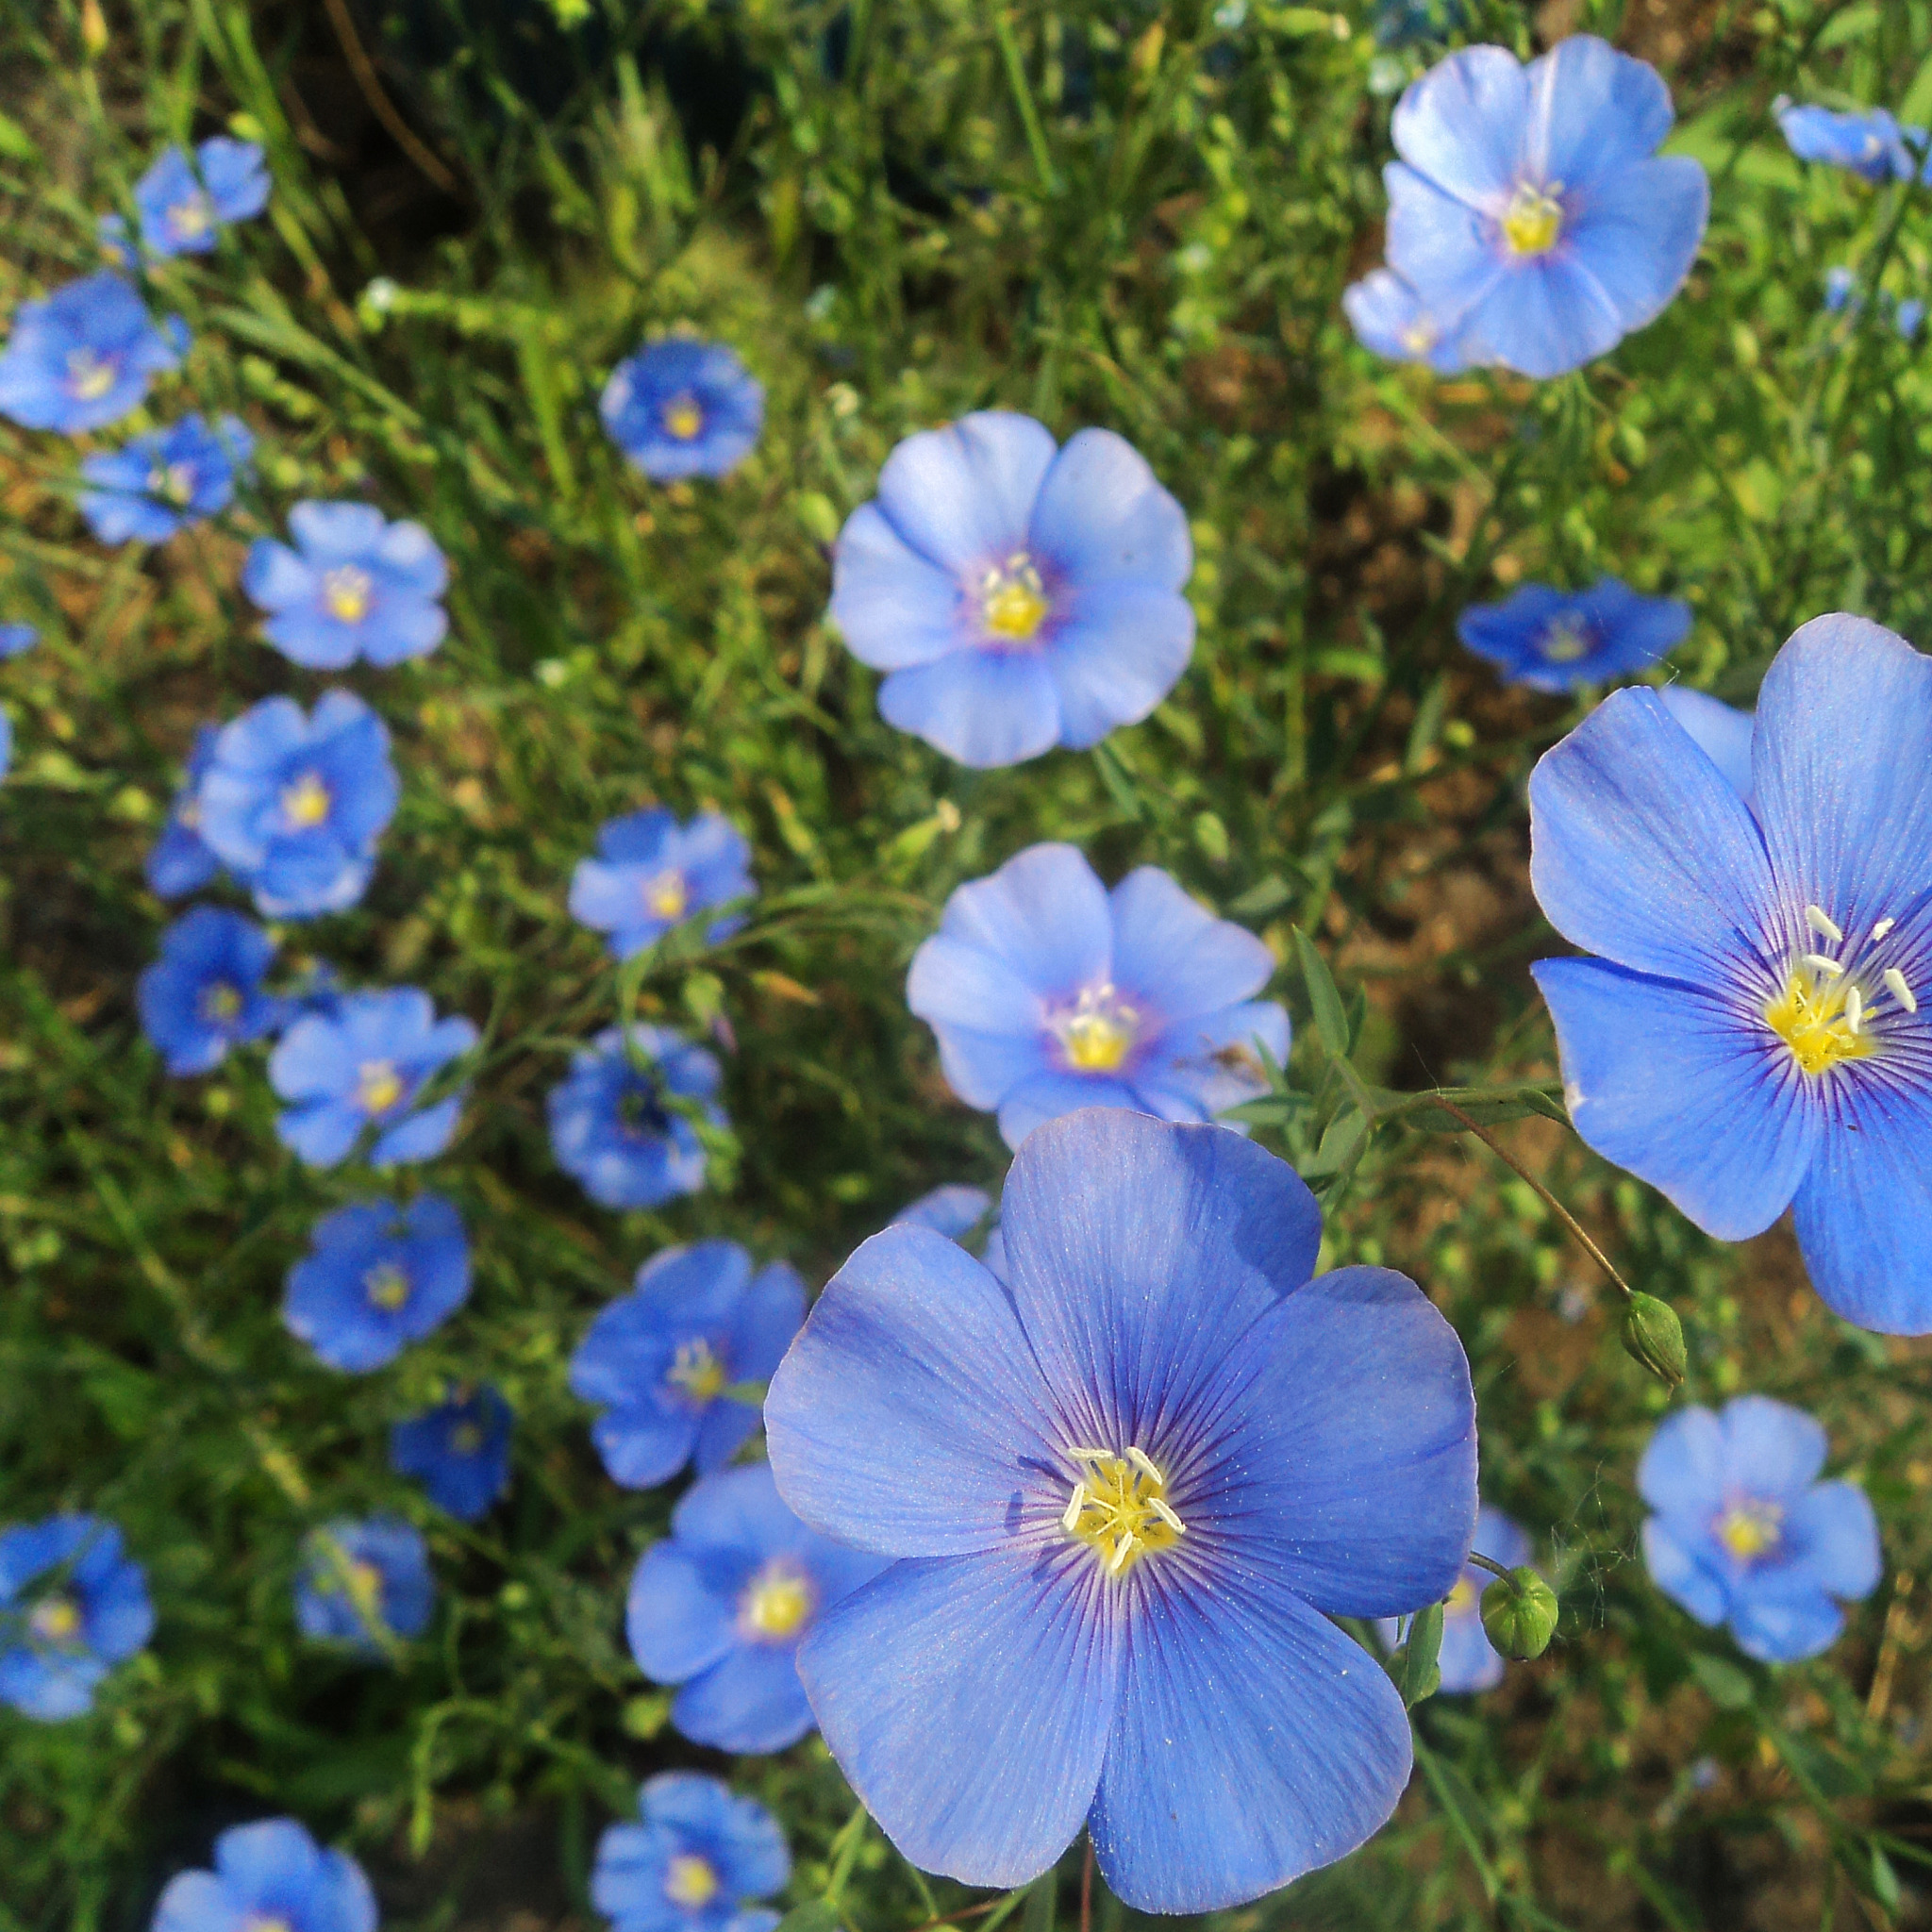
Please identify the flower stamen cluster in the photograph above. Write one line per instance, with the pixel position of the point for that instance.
(1534, 219)
(1014, 603)
(1120, 1507)
(1822, 1010)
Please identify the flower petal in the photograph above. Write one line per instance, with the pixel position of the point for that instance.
(1462, 125)
(750, 1700)
(1044, 914)
(985, 708)
(1169, 946)
(963, 495)
(1834, 1526)
(1592, 113)
(1674, 1569)
(1542, 317)
(1721, 732)
(1684, 1469)
(1050, 1096)
(893, 606)
(1441, 248)
(1771, 1449)
(1118, 653)
(1102, 516)
(1784, 1617)
(1637, 235)
(677, 1623)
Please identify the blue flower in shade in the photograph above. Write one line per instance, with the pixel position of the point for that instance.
(953, 1211)
(205, 993)
(1122, 1494)
(1872, 144)
(1757, 1034)
(1908, 318)
(683, 408)
(665, 1358)
(269, 1878)
(1468, 1660)
(1745, 1534)
(1404, 22)
(180, 862)
(16, 638)
(459, 1452)
(721, 1606)
(6, 745)
(651, 874)
(182, 203)
(377, 1276)
(1530, 211)
(1721, 732)
(72, 1607)
(1048, 993)
(353, 587)
(1840, 285)
(612, 1126)
(364, 1585)
(294, 805)
(158, 484)
(1555, 640)
(84, 356)
(1018, 597)
(1388, 316)
(695, 1864)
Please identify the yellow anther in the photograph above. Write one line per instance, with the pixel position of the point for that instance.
(192, 219)
(776, 1605)
(697, 1370)
(378, 1086)
(1533, 220)
(1143, 1462)
(1012, 600)
(219, 1002)
(1824, 964)
(690, 1881)
(306, 802)
(172, 482)
(90, 376)
(1812, 1017)
(1419, 337)
(1120, 1509)
(1076, 1503)
(1748, 1529)
(1098, 1031)
(682, 417)
(387, 1287)
(55, 1620)
(362, 1584)
(346, 592)
(1565, 641)
(667, 895)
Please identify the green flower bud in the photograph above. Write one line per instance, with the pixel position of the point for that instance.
(1655, 1337)
(1520, 1614)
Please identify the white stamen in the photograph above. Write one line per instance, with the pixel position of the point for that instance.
(1121, 1551)
(1821, 922)
(1167, 1515)
(1884, 927)
(1830, 968)
(1080, 1455)
(1896, 985)
(1076, 1503)
(1855, 1010)
(1144, 1463)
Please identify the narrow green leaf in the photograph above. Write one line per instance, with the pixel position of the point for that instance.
(1331, 1020)
(1420, 1675)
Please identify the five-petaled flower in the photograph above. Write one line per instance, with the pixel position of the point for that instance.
(720, 1608)
(84, 356)
(1555, 640)
(613, 1126)
(1122, 1494)
(377, 1276)
(180, 862)
(667, 1360)
(205, 993)
(155, 485)
(353, 586)
(1389, 317)
(363, 1065)
(73, 1604)
(1048, 993)
(683, 408)
(1468, 1660)
(459, 1451)
(696, 1861)
(1756, 1032)
(182, 204)
(651, 874)
(1017, 595)
(1745, 1534)
(364, 1585)
(270, 1877)
(1530, 211)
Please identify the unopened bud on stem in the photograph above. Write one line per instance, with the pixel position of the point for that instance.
(1520, 1614)
(1655, 1337)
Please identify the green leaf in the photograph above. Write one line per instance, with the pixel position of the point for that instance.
(1418, 1675)
(1486, 1105)
(821, 1915)
(1331, 1021)
(1341, 1145)
(16, 145)
(1723, 1683)
(1269, 895)
(1042, 1895)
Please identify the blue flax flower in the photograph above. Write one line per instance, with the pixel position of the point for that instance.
(1389, 317)
(1048, 993)
(682, 408)
(1122, 1494)
(721, 1606)
(1752, 1037)
(1908, 318)
(6, 745)
(612, 1128)
(1468, 1660)
(1530, 211)
(651, 874)
(205, 993)
(953, 1211)
(270, 1877)
(363, 1065)
(376, 1278)
(364, 1585)
(180, 862)
(1018, 597)
(294, 805)
(664, 1359)
(700, 1856)
(182, 203)
(1555, 640)
(354, 586)
(1745, 1534)
(155, 485)
(84, 356)
(1840, 286)
(459, 1452)
(1872, 144)
(72, 1607)
(16, 638)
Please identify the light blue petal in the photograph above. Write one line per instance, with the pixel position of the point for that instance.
(267, 1860)
(1463, 125)
(1784, 1619)
(1542, 317)
(1167, 946)
(1390, 318)
(1442, 249)
(1467, 1659)
(750, 1700)
(328, 533)
(404, 628)
(1593, 112)
(321, 1134)
(1044, 914)
(963, 495)
(1771, 1449)
(1721, 733)
(198, 1902)
(1675, 1571)
(676, 1624)
(893, 606)
(1102, 517)
(960, 984)
(1118, 650)
(1684, 1468)
(1833, 1524)
(1638, 235)
(421, 1136)
(984, 707)
(643, 1447)
(1049, 1095)
(307, 635)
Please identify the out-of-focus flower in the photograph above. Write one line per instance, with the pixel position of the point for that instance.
(651, 874)
(1048, 993)
(271, 1876)
(182, 204)
(180, 862)
(1555, 640)
(1150, 1467)
(1745, 1534)
(16, 638)
(377, 1276)
(1530, 211)
(155, 485)
(721, 1606)
(1017, 595)
(1908, 318)
(612, 1128)
(459, 1452)
(362, 1066)
(700, 1858)
(84, 356)
(953, 1211)
(683, 408)
(294, 805)
(364, 1585)
(1838, 284)
(205, 993)
(1468, 1660)
(1388, 316)
(354, 586)
(665, 1359)
(72, 1607)
(1872, 143)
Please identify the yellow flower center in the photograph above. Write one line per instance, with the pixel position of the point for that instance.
(191, 218)
(346, 591)
(466, 1439)
(1419, 337)
(1119, 1507)
(776, 1605)
(266, 1922)
(1749, 1529)
(378, 1086)
(55, 1620)
(697, 1370)
(219, 1002)
(690, 1881)
(1461, 1599)
(1533, 220)
(387, 1287)
(1565, 641)
(682, 418)
(666, 896)
(362, 1582)
(1098, 1031)
(89, 376)
(1820, 1017)
(1012, 600)
(172, 482)
(306, 802)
